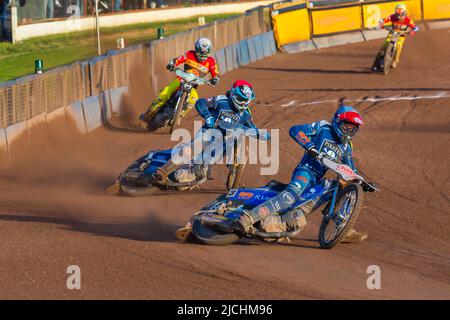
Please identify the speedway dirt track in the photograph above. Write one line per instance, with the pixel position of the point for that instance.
(54, 213)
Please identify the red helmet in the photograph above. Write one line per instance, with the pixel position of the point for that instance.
(346, 122)
(242, 94)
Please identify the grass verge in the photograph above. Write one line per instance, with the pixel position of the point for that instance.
(17, 60)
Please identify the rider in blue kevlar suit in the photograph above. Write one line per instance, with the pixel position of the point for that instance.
(332, 140)
(232, 109)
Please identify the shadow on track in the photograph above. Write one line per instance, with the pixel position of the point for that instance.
(297, 70)
(149, 229)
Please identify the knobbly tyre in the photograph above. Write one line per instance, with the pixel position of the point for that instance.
(384, 63)
(342, 196)
(147, 175)
(170, 114)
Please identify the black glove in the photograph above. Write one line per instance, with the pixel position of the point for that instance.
(171, 66)
(214, 81)
(313, 152)
(369, 187)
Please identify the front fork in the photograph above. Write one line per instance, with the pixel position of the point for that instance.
(177, 105)
(333, 201)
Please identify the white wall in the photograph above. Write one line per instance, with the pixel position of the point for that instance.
(113, 20)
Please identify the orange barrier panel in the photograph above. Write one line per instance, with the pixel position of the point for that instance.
(291, 23)
(374, 11)
(335, 20)
(436, 9)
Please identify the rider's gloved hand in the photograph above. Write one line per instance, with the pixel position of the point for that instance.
(171, 66)
(210, 122)
(214, 81)
(381, 24)
(369, 187)
(313, 152)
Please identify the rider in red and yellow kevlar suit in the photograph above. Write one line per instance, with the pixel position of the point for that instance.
(199, 62)
(400, 22)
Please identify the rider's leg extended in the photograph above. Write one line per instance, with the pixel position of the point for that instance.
(400, 42)
(302, 178)
(160, 100)
(193, 97)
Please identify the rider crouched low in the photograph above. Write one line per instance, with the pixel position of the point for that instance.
(400, 22)
(232, 108)
(319, 139)
(198, 61)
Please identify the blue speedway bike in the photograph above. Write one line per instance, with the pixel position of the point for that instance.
(147, 175)
(342, 196)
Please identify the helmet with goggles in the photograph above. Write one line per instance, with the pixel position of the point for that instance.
(346, 122)
(241, 94)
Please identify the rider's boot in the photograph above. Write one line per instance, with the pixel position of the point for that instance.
(193, 173)
(279, 203)
(354, 236)
(163, 172)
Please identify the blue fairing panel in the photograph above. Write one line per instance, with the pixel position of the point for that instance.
(255, 196)
(159, 158)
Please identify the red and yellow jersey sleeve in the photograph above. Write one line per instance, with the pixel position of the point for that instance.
(213, 68)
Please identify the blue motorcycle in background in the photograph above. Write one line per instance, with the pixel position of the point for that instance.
(343, 197)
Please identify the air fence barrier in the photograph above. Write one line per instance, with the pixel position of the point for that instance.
(90, 92)
(308, 25)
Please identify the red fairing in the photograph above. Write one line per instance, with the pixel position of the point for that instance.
(352, 117)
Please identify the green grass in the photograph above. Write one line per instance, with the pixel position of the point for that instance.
(17, 60)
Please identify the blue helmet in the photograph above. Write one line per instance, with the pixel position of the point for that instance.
(242, 94)
(346, 122)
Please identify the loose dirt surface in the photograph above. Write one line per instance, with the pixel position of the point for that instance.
(54, 213)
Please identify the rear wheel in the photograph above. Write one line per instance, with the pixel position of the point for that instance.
(388, 58)
(209, 236)
(136, 190)
(348, 206)
(131, 188)
(177, 116)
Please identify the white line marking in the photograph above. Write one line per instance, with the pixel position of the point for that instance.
(290, 103)
(374, 99)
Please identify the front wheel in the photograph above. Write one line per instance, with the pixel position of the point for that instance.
(388, 58)
(347, 208)
(176, 122)
(234, 176)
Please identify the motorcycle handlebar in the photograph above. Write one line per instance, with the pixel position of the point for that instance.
(198, 79)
